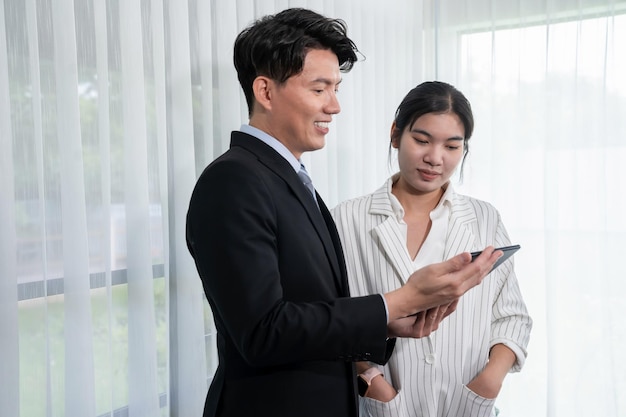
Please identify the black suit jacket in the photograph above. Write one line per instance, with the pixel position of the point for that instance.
(273, 272)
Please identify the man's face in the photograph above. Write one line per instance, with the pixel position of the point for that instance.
(302, 108)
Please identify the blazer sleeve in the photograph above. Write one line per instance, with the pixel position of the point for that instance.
(511, 323)
(270, 289)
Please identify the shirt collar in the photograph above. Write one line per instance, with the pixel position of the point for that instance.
(398, 210)
(273, 143)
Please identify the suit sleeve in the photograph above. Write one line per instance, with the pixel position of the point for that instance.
(272, 312)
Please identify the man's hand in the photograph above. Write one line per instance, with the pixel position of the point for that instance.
(438, 284)
(421, 324)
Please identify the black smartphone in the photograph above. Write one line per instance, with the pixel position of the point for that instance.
(508, 251)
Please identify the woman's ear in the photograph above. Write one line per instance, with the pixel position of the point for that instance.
(395, 135)
(262, 89)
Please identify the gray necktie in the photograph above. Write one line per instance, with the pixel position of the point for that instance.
(306, 180)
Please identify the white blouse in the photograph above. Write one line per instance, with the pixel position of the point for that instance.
(432, 249)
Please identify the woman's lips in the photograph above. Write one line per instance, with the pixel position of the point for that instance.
(428, 175)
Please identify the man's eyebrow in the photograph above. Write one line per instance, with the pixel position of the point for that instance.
(326, 81)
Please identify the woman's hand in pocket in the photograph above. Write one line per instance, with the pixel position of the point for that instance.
(488, 383)
(485, 385)
(381, 390)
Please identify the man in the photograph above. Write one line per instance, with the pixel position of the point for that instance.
(267, 250)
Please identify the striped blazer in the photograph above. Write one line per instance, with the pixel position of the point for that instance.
(430, 373)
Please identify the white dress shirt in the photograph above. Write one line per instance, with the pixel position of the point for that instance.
(431, 373)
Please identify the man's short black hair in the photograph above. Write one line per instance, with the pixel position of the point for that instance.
(275, 46)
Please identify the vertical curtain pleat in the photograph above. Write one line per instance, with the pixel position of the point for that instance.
(39, 170)
(79, 372)
(104, 366)
(142, 362)
(206, 67)
(9, 345)
(206, 46)
(232, 110)
(187, 345)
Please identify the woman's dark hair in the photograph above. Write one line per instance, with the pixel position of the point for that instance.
(275, 46)
(435, 97)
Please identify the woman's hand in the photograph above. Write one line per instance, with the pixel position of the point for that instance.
(488, 383)
(381, 390)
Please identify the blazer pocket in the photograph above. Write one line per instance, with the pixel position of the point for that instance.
(473, 405)
(375, 408)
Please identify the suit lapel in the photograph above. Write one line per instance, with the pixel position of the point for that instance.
(337, 261)
(275, 162)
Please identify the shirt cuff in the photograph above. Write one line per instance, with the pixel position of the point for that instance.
(386, 308)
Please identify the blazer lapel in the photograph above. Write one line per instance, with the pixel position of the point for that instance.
(463, 232)
(389, 234)
(392, 242)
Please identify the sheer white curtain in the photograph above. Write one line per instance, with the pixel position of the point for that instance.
(84, 323)
(546, 81)
(109, 110)
(389, 35)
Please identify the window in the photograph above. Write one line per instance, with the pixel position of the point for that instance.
(548, 151)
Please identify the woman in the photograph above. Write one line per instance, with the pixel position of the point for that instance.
(416, 219)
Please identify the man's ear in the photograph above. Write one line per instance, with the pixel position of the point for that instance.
(262, 87)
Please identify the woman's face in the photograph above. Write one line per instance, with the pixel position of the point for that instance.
(429, 152)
